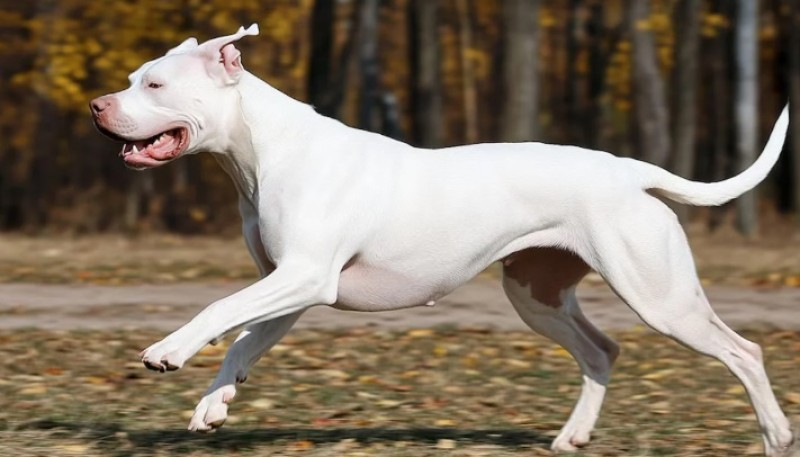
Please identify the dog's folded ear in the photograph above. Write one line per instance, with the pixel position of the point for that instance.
(223, 60)
(187, 45)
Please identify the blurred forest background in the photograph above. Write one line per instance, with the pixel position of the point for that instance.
(691, 85)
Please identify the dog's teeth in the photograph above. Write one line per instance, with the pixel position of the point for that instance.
(135, 150)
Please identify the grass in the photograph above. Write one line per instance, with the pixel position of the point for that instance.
(369, 392)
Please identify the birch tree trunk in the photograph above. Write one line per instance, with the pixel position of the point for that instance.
(519, 118)
(746, 106)
(652, 120)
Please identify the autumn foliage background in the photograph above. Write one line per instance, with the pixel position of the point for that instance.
(58, 174)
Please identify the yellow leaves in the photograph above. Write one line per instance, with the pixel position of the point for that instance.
(500, 381)
(661, 374)
(481, 62)
(96, 380)
(72, 449)
(792, 281)
(35, 389)
(420, 333)
(643, 25)
(334, 374)
(76, 40)
(53, 371)
(522, 364)
(386, 403)
(661, 407)
(561, 352)
(304, 445)
(280, 25)
(470, 361)
(223, 20)
(445, 444)
(262, 404)
(711, 24)
(212, 350)
(774, 279)
(198, 214)
(660, 22)
(547, 18)
(736, 389)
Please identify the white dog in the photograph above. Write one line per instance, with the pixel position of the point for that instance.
(346, 218)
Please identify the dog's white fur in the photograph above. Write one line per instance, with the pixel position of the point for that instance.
(342, 217)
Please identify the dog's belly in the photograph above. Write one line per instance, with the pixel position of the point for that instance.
(367, 288)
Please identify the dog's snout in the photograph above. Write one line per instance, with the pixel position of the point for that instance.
(99, 104)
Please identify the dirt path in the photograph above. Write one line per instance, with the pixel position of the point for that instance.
(479, 303)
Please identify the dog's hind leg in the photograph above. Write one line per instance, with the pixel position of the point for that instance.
(540, 283)
(646, 259)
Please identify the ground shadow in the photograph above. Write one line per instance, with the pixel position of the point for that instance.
(181, 441)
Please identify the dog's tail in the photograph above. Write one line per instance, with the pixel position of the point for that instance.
(711, 194)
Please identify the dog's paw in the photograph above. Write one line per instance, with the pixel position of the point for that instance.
(212, 410)
(163, 356)
(570, 440)
(791, 449)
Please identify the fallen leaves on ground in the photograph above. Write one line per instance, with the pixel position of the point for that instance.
(373, 392)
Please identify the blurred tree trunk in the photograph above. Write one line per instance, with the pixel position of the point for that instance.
(578, 126)
(649, 94)
(369, 96)
(519, 118)
(321, 66)
(390, 117)
(794, 101)
(746, 112)
(469, 90)
(597, 63)
(427, 90)
(719, 108)
(327, 71)
(685, 90)
(139, 193)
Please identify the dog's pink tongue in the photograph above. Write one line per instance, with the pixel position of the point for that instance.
(164, 146)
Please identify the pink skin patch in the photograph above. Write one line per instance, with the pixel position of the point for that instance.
(155, 151)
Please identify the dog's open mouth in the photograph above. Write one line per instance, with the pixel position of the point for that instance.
(157, 150)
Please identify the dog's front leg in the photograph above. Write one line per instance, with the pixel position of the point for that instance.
(293, 287)
(249, 346)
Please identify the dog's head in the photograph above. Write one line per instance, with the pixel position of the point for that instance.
(176, 103)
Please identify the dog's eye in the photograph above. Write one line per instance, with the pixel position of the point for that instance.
(155, 85)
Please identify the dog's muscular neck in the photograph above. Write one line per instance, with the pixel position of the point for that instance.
(249, 151)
